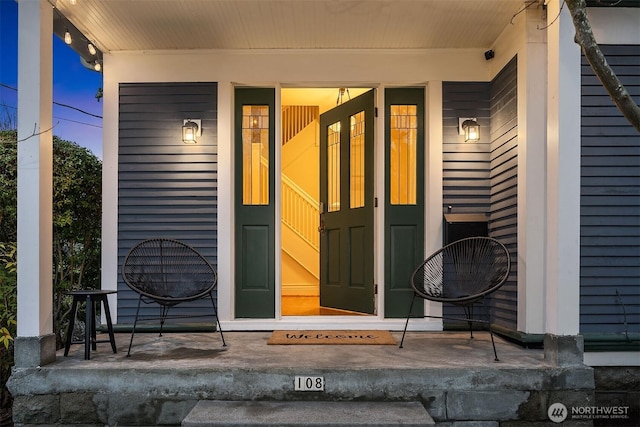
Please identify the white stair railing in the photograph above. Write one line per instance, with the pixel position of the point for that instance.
(297, 117)
(300, 212)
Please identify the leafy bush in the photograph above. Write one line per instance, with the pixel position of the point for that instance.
(8, 295)
(77, 212)
(8, 305)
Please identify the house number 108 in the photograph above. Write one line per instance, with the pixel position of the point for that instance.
(303, 383)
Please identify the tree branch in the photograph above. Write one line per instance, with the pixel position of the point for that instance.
(585, 39)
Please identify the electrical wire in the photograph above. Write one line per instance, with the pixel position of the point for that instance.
(554, 19)
(60, 104)
(77, 109)
(525, 7)
(59, 118)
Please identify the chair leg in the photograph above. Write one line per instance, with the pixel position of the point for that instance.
(107, 312)
(407, 322)
(88, 327)
(72, 319)
(135, 321)
(495, 353)
(95, 306)
(468, 311)
(215, 312)
(163, 316)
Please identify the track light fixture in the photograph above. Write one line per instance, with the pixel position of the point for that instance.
(67, 36)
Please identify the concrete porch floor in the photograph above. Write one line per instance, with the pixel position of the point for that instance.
(250, 350)
(454, 377)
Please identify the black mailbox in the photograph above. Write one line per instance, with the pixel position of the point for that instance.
(460, 226)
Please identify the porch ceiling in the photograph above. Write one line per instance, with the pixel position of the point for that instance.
(125, 25)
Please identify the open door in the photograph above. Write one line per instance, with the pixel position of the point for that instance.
(347, 203)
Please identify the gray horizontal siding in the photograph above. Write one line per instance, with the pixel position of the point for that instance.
(503, 219)
(166, 188)
(610, 201)
(466, 166)
(481, 177)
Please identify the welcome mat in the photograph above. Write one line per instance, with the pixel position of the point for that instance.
(322, 337)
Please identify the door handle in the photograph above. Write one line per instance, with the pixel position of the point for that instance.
(321, 227)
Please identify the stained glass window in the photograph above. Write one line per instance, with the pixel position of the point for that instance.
(255, 154)
(403, 153)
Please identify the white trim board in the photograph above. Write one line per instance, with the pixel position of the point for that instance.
(612, 358)
(330, 322)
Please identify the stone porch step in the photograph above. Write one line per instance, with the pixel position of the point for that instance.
(214, 413)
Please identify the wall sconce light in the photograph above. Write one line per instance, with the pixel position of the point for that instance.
(470, 128)
(191, 130)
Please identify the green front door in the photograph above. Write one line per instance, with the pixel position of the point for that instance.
(347, 203)
(254, 154)
(404, 204)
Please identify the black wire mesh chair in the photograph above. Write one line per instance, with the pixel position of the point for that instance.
(168, 272)
(462, 273)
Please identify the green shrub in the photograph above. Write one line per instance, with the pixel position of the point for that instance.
(77, 208)
(8, 307)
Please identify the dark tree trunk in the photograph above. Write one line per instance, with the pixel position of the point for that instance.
(585, 38)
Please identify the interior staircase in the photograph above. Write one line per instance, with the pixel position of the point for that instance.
(297, 117)
(299, 212)
(300, 237)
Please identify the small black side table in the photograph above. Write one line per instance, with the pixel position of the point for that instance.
(91, 297)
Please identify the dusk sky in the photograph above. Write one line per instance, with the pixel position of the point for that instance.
(73, 85)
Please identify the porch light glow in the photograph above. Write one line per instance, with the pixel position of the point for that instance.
(190, 131)
(470, 128)
(67, 36)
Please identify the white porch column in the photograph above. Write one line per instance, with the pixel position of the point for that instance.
(110, 131)
(35, 344)
(562, 285)
(433, 186)
(226, 225)
(532, 109)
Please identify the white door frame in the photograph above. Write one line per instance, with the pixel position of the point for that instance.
(433, 219)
